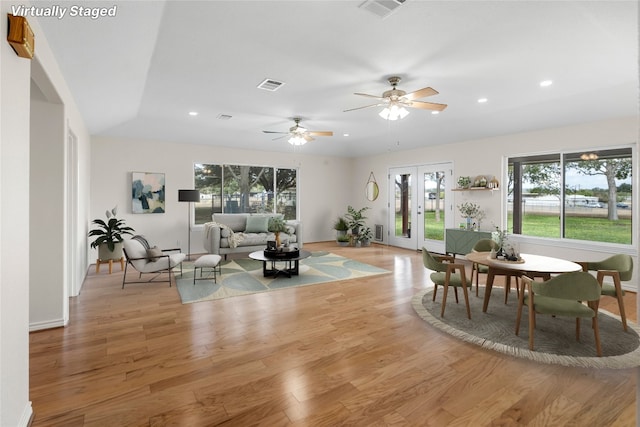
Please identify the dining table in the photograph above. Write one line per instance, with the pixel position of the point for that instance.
(526, 265)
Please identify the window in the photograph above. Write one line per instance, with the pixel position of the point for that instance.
(580, 196)
(244, 189)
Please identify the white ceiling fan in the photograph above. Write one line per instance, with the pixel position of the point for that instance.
(395, 100)
(299, 135)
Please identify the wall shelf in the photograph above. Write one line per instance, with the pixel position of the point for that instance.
(475, 189)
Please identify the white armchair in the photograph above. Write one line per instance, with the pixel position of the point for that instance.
(146, 259)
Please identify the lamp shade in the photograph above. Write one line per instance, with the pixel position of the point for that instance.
(188, 196)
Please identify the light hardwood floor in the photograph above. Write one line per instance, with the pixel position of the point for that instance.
(343, 353)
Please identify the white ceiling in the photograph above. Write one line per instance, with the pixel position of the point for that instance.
(139, 73)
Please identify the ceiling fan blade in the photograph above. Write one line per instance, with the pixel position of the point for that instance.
(421, 93)
(427, 105)
(369, 96)
(320, 133)
(272, 131)
(366, 106)
(307, 137)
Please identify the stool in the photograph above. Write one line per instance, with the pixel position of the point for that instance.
(110, 262)
(207, 261)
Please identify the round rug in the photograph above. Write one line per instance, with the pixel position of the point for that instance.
(554, 337)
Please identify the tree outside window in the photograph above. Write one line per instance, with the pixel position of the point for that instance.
(581, 196)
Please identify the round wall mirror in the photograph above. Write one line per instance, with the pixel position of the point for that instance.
(372, 190)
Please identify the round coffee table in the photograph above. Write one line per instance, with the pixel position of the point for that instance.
(291, 265)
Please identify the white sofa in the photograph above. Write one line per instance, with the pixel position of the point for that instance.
(240, 233)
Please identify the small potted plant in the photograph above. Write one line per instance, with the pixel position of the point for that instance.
(355, 218)
(277, 225)
(464, 182)
(469, 210)
(343, 240)
(109, 236)
(341, 226)
(365, 236)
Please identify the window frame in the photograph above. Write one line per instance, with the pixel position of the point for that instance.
(223, 166)
(563, 157)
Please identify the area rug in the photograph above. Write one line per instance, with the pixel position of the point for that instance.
(244, 276)
(555, 337)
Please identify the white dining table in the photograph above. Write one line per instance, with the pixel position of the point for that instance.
(529, 264)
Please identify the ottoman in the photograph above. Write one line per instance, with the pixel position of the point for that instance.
(211, 262)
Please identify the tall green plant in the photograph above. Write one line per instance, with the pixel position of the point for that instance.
(109, 232)
(355, 217)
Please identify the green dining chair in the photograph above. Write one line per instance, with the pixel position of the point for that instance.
(485, 245)
(444, 275)
(620, 269)
(562, 295)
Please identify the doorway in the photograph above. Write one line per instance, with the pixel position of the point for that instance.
(420, 198)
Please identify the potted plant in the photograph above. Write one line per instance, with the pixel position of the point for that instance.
(341, 226)
(277, 225)
(355, 218)
(343, 240)
(365, 236)
(109, 236)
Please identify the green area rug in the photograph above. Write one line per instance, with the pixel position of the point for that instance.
(555, 337)
(244, 276)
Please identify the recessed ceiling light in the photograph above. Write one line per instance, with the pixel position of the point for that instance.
(345, 134)
(435, 112)
(546, 83)
(193, 113)
(482, 100)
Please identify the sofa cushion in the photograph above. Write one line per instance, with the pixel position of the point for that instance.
(257, 224)
(236, 222)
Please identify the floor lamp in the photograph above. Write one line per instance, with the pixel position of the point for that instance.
(189, 196)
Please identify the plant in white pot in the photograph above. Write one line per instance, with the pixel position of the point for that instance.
(109, 236)
(365, 236)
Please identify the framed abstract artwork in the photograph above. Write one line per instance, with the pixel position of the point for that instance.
(147, 192)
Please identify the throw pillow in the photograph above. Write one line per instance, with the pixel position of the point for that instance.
(154, 253)
(257, 224)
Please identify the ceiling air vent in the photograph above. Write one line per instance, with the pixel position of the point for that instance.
(270, 84)
(382, 8)
(223, 117)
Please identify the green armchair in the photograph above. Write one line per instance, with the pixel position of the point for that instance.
(444, 275)
(619, 268)
(562, 295)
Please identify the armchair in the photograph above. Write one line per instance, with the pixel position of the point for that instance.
(146, 259)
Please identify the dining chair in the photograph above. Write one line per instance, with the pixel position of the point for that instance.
(620, 268)
(444, 267)
(562, 295)
(485, 245)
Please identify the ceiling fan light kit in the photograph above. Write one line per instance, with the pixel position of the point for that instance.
(299, 135)
(393, 112)
(396, 101)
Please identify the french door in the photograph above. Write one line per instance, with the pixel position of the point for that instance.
(419, 206)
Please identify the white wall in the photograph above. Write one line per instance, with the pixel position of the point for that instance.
(48, 295)
(16, 281)
(486, 157)
(54, 115)
(15, 407)
(324, 182)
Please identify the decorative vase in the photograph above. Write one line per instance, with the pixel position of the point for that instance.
(277, 233)
(468, 223)
(493, 254)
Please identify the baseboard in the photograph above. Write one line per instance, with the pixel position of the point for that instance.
(27, 415)
(49, 324)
